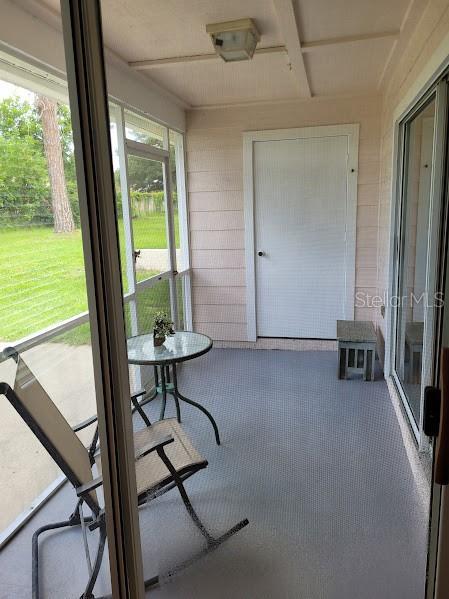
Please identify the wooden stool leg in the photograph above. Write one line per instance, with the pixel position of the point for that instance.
(345, 362)
(368, 371)
(342, 362)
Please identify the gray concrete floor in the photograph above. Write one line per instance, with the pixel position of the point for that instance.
(316, 464)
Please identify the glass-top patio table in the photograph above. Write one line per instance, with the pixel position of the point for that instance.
(180, 347)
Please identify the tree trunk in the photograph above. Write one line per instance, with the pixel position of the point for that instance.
(62, 211)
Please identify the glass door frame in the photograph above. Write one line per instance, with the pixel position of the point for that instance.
(438, 516)
(83, 42)
(430, 338)
(147, 152)
(128, 147)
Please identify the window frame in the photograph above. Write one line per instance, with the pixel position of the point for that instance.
(40, 78)
(31, 75)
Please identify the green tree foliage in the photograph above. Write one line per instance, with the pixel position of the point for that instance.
(18, 118)
(146, 182)
(24, 187)
(25, 195)
(145, 175)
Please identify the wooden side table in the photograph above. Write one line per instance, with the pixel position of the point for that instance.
(356, 348)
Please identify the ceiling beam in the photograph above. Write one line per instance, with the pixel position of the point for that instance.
(144, 65)
(289, 28)
(410, 20)
(306, 48)
(324, 44)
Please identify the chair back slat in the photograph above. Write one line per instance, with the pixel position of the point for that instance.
(42, 416)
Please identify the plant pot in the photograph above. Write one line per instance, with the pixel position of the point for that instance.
(158, 341)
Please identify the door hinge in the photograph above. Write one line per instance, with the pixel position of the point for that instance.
(431, 414)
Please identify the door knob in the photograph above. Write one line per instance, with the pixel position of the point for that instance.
(260, 253)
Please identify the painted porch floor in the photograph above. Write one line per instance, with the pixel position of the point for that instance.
(318, 467)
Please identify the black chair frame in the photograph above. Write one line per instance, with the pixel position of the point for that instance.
(83, 491)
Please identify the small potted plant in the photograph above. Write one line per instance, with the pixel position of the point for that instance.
(162, 328)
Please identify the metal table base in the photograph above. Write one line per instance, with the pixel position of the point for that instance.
(166, 384)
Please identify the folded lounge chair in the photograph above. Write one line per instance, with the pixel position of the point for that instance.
(165, 458)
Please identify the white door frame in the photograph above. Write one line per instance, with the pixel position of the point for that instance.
(249, 138)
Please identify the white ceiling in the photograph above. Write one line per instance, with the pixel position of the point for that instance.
(138, 29)
(333, 47)
(216, 82)
(347, 69)
(323, 19)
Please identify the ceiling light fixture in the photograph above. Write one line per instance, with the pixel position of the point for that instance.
(234, 40)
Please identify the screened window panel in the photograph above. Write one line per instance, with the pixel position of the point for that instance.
(144, 130)
(149, 218)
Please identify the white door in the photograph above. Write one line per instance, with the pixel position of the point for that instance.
(301, 218)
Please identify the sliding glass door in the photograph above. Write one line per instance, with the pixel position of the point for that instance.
(412, 277)
(417, 295)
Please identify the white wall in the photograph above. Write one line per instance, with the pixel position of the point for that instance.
(24, 32)
(215, 186)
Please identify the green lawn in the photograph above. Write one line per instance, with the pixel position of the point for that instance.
(149, 301)
(43, 278)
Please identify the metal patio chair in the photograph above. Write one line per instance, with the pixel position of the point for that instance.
(165, 458)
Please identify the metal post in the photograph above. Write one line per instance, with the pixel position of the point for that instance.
(170, 239)
(89, 110)
(183, 216)
(182, 199)
(128, 233)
